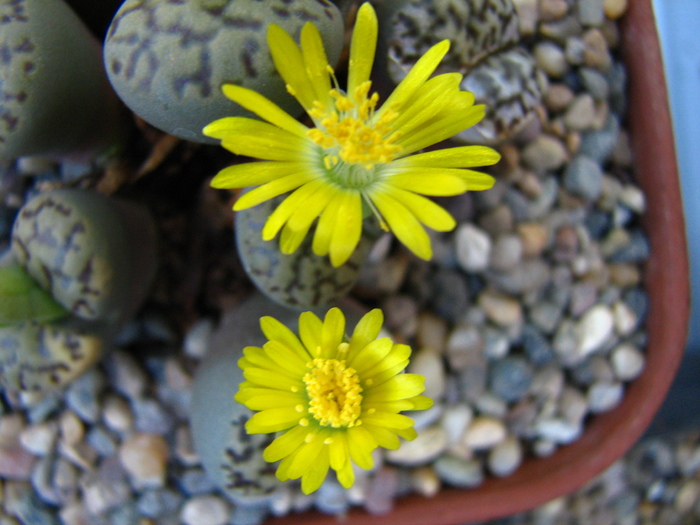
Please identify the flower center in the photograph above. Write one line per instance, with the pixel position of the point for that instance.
(350, 133)
(334, 393)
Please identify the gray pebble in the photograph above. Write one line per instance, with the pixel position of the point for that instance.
(83, 394)
(382, 490)
(545, 153)
(507, 252)
(451, 297)
(510, 378)
(545, 316)
(599, 144)
(627, 362)
(584, 177)
(150, 417)
(459, 472)
(595, 83)
(331, 498)
(101, 440)
(248, 515)
(551, 59)
(529, 276)
(590, 12)
(558, 430)
(635, 251)
(604, 396)
(126, 375)
(505, 457)
(536, 346)
(158, 502)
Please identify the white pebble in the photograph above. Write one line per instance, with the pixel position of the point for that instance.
(196, 341)
(604, 396)
(593, 329)
(627, 362)
(205, 510)
(428, 445)
(117, 414)
(428, 363)
(455, 419)
(425, 481)
(484, 432)
(39, 439)
(72, 428)
(558, 430)
(473, 247)
(625, 318)
(505, 457)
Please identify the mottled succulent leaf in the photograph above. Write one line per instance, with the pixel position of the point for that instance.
(22, 299)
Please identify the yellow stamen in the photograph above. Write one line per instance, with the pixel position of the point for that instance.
(350, 131)
(334, 393)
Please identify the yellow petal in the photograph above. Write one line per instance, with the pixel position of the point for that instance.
(263, 360)
(477, 181)
(254, 173)
(401, 386)
(264, 108)
(313, 478)
(346, 475)
(285, 357)
(421, 402)
(289, 61)
(290, 240)
(429, 100)
(332, 332)
(272, 420)
(310, 327)
(370, 355)
(416, 77)
(273, 399)
(305, 456)
(398, 354)
(361, 444)
(272, 189)
(270, 379)
(348, 228)
(425, 210)
(404, 225)
(366, 331)
(326, 226)
(277, 331)
(388, 420)
(338, 451)
(385, 438)
(254, 138)
(441, 129)
(316, 63)
(362, 47)
(428, 181)
(285, 444)
(460, 157)
(287, 207)
(309, 210)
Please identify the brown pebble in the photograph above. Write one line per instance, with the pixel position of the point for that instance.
(16, 463)
(558, 97)
(144, 457)
(551, 10)
(535, 237)
(596, 53)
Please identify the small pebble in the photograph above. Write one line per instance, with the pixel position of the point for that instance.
(505, 458)
(551, 59)
(425, 481)
(593, 329)
(614, 9)
(428, 363)
(545, 153)
(558, 430)
(484, 432)
(39, 439)
(501, 309)
(381, 491)
(459, 472)
(205, 510)
(627, 362)
(510, 378)
(429, 444)
(473, 248)
(144, 457)
(604, 396)
(117, 414)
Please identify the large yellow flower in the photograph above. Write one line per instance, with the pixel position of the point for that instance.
(336, 400)
(357, 153)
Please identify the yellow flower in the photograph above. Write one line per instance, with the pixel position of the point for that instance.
(357, 153)
(336, 400)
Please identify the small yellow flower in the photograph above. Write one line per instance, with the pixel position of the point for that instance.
(336, 400)
(358, 154)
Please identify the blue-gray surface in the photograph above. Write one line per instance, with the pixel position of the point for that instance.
(677, 21)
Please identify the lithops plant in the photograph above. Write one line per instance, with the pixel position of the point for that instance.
(300, 280)
(80, 265)
(94, 254)
(167, 59)
(484, 39)
(232, 458)
(55, 98)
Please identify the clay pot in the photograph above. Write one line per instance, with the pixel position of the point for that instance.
(607, 437)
